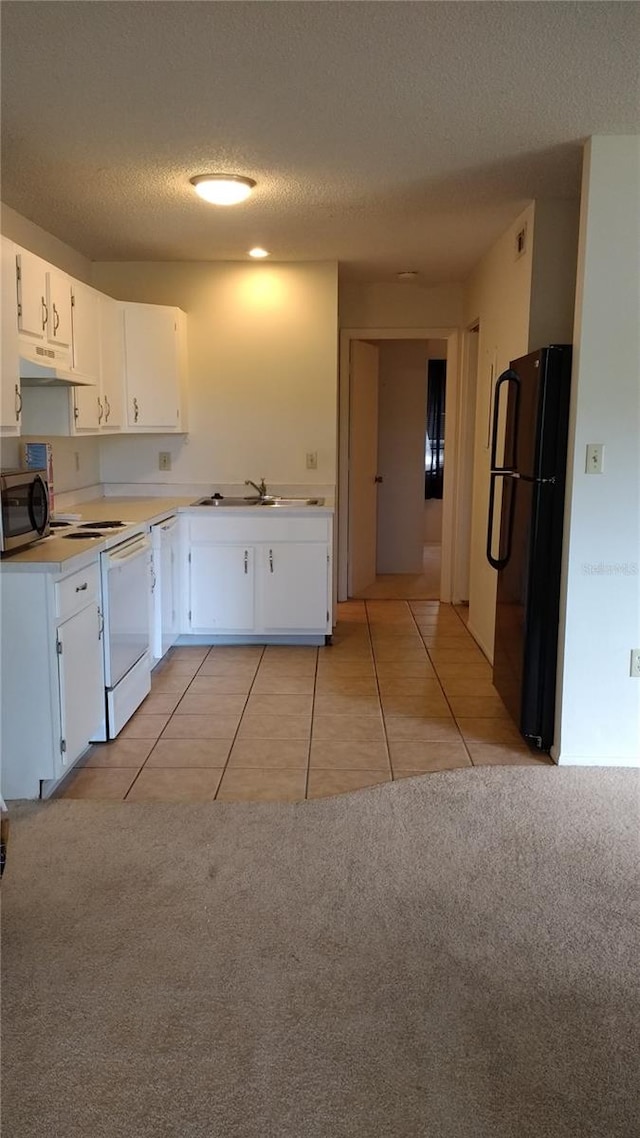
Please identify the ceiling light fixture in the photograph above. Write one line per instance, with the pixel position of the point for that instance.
(222, 189)
(258, 252)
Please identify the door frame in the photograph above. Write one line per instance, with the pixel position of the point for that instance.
(465, 468)
(451, 335)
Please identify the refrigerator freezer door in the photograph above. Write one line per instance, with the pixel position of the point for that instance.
(529, 551)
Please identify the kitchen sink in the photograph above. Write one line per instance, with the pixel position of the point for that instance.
(234, 503)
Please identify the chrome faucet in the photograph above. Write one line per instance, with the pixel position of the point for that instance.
(262, 488)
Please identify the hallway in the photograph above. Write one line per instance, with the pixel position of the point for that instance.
(423, 586)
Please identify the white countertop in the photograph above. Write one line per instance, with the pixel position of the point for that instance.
(54, 554)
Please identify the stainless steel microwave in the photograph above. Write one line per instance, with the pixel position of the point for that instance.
(24, 512)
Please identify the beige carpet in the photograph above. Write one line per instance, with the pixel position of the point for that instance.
(447, 957)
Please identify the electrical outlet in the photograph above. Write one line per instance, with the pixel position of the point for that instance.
(76, 456)
(635, 663)
(164, 460)
(312, 460)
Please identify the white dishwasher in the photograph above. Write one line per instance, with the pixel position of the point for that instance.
(126, 584)
(165, 600)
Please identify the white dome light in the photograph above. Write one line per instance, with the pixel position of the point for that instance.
(222, 189)
(258, 252)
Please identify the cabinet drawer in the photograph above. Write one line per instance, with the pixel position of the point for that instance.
(77, 590)
(259, 529)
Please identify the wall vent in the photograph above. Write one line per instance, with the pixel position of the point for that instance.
(521, 242)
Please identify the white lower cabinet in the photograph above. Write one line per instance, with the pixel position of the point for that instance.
(52, 692)
(81, 683)
(165, 594)
(293, 586)
(260, 576)
(222, 588)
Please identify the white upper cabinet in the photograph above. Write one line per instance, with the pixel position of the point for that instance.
(111, 363)
(125, 363)
(44, 302)
(10, 397)
(155, 358)
(59, 322)
(85, 323)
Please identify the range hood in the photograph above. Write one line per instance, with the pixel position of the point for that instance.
(39, 365)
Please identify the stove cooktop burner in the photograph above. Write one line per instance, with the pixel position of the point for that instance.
(60, 525)
(102, 525)
(85, 535)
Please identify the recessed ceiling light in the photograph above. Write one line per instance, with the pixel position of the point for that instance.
(222, 189)
(407, 275)
(258, 252)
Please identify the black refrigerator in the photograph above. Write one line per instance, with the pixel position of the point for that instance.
(524, 537)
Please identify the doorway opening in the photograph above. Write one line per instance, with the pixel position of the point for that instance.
(396, 449)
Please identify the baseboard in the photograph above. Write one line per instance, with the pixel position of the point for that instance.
(563, 759)
(479, 641)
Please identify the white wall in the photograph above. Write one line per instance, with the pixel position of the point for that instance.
(598, 702)
(262, 343)
(400, 305)
(498, 295)
(432, 534)
(553, 273)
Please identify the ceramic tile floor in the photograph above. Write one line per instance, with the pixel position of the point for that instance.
(403, 690)
(407, 586)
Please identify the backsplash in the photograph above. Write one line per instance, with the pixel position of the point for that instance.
(76, 461)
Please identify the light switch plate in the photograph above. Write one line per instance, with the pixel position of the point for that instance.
(312, 460)
(164, 460)
(635, 663)
(595, 458)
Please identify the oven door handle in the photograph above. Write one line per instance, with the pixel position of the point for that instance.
(127, 552)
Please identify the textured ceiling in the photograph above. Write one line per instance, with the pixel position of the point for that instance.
(384, 135)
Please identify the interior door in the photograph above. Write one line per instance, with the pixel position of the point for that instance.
(363, 462)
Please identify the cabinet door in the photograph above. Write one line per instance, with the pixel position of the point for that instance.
(81, 679)
(33, 314)
(111, 363)
(168, 584)
(221, 588)
(151, 367)
(59, 308)
(10, 397)
(294, 586)
(85, 360)
(88, 409)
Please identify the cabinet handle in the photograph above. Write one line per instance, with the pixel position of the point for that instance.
(246, 560)
(153, 580)
(56, 320)
(18, 403)
(107, 409)
(45, 313)
(82, 588)
(135, 410)
(271, 561)
(76, 412)
(100, 411)
(100, 623)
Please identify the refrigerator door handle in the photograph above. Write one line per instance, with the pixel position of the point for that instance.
(508, 376)
(500, 562)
